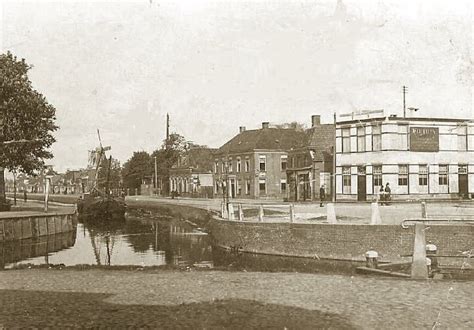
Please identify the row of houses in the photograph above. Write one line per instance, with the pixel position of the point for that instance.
(420, 158)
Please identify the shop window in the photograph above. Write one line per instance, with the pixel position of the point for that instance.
(346, 140)
(346, 180)
(443, 175)
(377, 175)
(376, 138)
(361, 138)
(283, 162)
(262, 163)
(283, 185)
(403, 175)
(423, 175)
(262, 185)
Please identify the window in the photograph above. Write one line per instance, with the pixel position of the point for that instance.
(376, 138)
(239, 187)
(247, 187)
(262, 186)
(283, 185)
(403, 136)
(377, 173)
(263, 163)
(223, 166)
(230, 165)
(216, 166)
(283, 162)
(346, 180)
(239, 165)
(423, 175)
(247, 165)
(443, 175)
(403, 175)
(462, 138)
(361, 138)
(346, 140)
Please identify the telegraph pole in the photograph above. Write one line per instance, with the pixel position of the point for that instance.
(404, 90)
(156, 178)
(167, 129)
(334, 163)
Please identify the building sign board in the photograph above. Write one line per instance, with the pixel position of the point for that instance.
(424, 139)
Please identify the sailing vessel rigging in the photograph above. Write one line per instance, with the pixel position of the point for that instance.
(98, 206)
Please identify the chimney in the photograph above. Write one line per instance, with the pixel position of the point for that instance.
(241, 129)
(265, 124)
(315, 120)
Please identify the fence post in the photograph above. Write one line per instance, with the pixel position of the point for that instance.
(419, 269)
(292, 213)
(260, 213)
(231, 211)
(241, 213)
(331, 213)
(375, 219)
(423, 210)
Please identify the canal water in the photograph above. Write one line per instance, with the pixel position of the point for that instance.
(146, 242)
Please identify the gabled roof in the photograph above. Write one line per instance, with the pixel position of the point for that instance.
(197, 158)
(263, 139)
(319, 140)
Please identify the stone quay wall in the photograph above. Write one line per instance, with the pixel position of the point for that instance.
(338, 241)
(23, 226)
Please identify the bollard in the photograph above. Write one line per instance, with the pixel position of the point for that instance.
(418, 265)
(375, 218)
(231, 211)
(331, 213)
(431, 252)
(423, 210)
(371, 258)
(136, 191)
(428, 266)
(128, 191)
(292, 213)
(260, 213)
(241, 213)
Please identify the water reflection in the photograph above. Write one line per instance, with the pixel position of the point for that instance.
(137, 242)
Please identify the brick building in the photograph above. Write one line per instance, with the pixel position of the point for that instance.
(253, 163)
(310, 164)
(420, 158)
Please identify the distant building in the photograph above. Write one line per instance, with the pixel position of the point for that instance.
(192, 175)
(420, 158)
(253, 164)
(310, 164)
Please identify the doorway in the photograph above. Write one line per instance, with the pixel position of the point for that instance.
(463, 182)
(361, 184)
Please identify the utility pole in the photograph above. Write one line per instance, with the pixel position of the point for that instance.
(167, 129)
(156, 178)
(404, 90)
(334, 163)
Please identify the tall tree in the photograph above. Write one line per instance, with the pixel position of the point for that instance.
(136, 169)
(114, 176)
(27, 121)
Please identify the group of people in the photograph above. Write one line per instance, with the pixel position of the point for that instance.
(385, 194)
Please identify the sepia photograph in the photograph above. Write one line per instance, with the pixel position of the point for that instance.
(237, 164)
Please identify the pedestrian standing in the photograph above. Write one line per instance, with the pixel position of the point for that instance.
(382, 195)
(388, 193)
(322, 195)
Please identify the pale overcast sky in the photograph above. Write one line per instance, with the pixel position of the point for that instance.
(217, 65)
